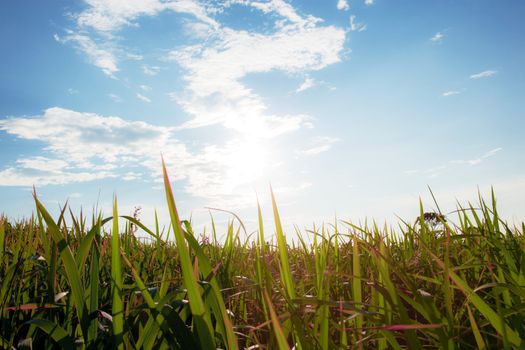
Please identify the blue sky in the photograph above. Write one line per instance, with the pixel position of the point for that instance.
(348, 108)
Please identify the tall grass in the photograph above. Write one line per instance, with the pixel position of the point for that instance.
(427, 285)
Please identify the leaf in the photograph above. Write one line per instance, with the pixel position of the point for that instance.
(57, 333)
(201, 317)
(276, 325)
(70, 266)
(492, 316)
(117, 308)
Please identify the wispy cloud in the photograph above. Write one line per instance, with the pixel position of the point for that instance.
(115, 98)
(356, 27)
(484, 74)
(450, 93)
(84, 147)
(369, 2)
(150, 70)
(320, 145)
(478, 160)
(306, 84)
(438, 37)
(45, 171)
(101, 57)
(143, 98)
(215, 93)
(97, 24)
(437, 170)
(13, 176)
(134, 57)
(111, 15)
(343, 5)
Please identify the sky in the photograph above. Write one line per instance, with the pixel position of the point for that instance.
(351, 110)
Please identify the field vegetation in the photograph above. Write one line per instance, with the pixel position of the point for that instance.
(426, 284)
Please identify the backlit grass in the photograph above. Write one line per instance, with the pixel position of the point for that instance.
(430, 284)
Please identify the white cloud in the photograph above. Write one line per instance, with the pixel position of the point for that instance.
(145, 87)
(484, 74)
(143, 98)
(369, 2)
(215, 93)
(72, 91)
(450, 93)
(131, 175)
(112, 15)
(438, 37)
(12, 176)
(42, 164)
(115, 98)
(320, 145)
(285, 10)
(480, 159)
(354, 26)
(307, 84)
(85, 140)
(435, 171)
(134, 57)
(101, 57)
(45, 171)
(98, 22)
(343, 5)
(150, 70)
(85, 147)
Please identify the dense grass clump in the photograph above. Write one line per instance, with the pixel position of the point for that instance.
(431, 284)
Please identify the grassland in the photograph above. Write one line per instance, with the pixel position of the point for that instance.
(430, 284)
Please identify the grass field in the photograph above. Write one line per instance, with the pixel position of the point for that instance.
(430, 284)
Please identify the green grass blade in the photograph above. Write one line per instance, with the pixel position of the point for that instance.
(475, 329)
(201, 316)
(117, 309)
(276, 325)
(56, 332)
(94, 288)
(70, 266)
(356, 285)
(492, 316)
(217, 301)
(286, 274)
(2, 238)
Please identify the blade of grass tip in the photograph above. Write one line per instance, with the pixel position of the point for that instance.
(70, 266)
(201, 317)
(85, 244)
(286, 273)
(261, 252)
(116, 279)
(435, 201)
(262, 242)
(276, 325)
